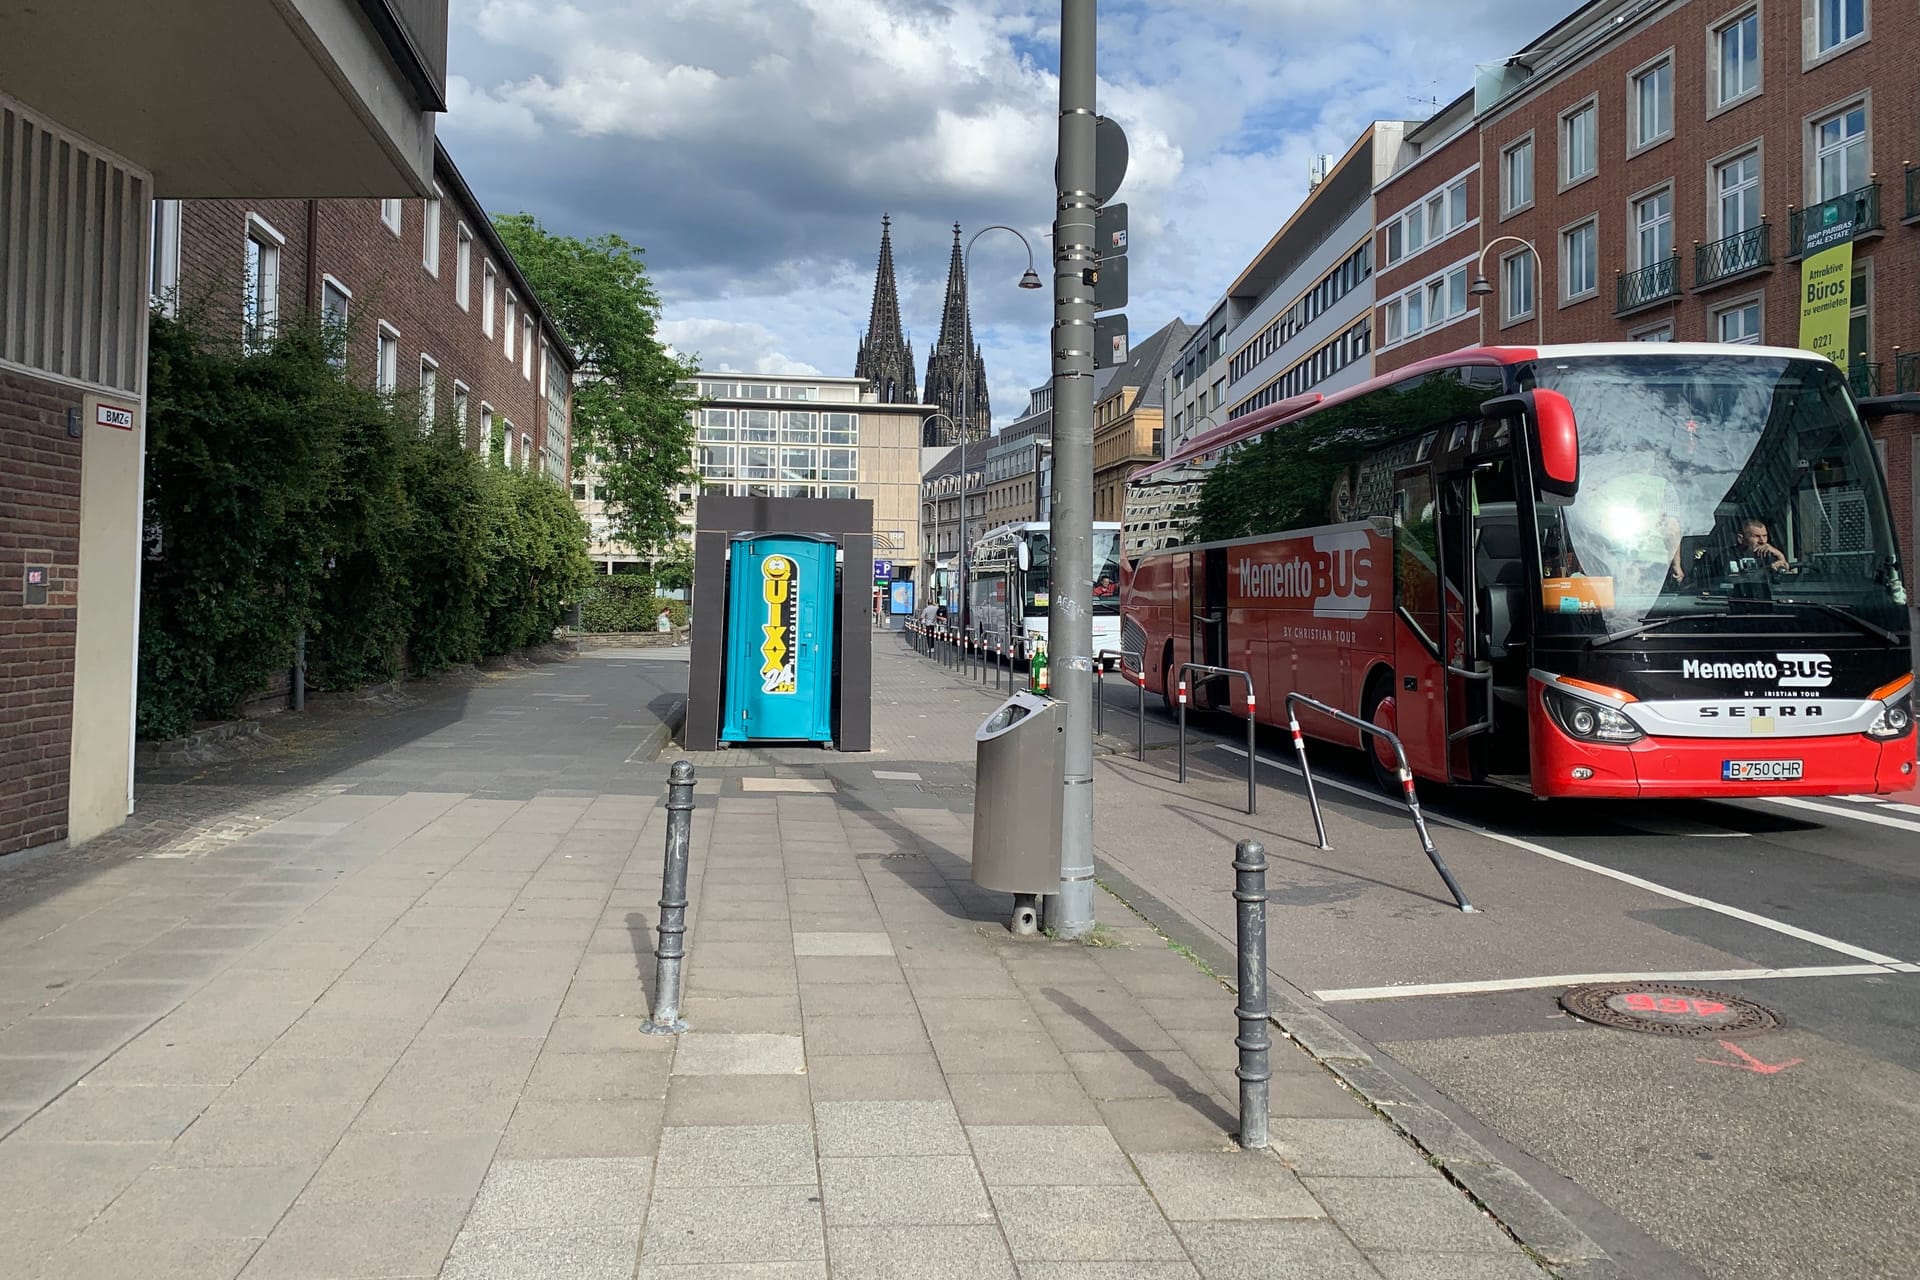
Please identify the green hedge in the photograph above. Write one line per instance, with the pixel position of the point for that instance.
(282, 495)
(626, 602)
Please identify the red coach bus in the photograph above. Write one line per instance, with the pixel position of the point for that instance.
(1612, 570)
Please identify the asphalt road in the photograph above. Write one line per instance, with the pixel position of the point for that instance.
(1791, 1153)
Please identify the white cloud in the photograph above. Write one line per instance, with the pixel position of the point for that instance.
(751, 145)
(726, 346)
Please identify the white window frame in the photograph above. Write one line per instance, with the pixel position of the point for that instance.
(1634, 202)
(429, 388)
(462, 398)
(1757, 301)
(1635, 142)
(332, 283)
(1659, 332)
(509, 324)
(393, 215)
(1811, 54)
(386, 359)
(430, 233)
(1508, 205)
(1569, 298)
(1508, 315)
(485, 446)
(163, 275)
(1810, 145)
(489, 285)
(1716, 212)
(527, 344)
(462, 266)
(1417, 213)
(1422, 296)
(1717, 99)
(1569, 179)
(260, 303)
(526, 452)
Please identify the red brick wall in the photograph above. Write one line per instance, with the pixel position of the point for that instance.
(39, 525)
(1775, 117)
(388, 282)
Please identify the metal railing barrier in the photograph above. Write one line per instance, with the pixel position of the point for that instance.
(671, 932)
(1230, 673)
(1137, 677)
(1406, 783)
(1254, 1041)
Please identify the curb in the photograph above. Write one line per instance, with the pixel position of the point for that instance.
(661, 736)
(1529, 1217)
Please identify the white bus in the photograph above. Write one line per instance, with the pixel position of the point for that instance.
(1010, 583)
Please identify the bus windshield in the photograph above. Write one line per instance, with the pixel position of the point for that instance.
(1106, 572)
(1716, 491)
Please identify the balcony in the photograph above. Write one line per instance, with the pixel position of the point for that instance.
(1637, 290)
(1735, 256)
(1906, 373)
(1862, 205)
(1863, 377)
(298, 98)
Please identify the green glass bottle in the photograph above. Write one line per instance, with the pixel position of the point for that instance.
(1037, 669)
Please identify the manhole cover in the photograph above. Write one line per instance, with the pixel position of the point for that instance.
(1667, 1010)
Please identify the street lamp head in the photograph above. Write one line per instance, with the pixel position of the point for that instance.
(1031, 280)
(1479, 288)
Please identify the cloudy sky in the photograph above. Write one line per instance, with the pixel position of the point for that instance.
(750, 146)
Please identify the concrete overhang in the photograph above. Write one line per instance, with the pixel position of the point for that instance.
(240, 98)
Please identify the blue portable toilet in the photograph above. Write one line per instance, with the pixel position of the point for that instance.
(780, 611)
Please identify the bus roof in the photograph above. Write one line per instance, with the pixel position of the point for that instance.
(1282, 411)
(1022, 526)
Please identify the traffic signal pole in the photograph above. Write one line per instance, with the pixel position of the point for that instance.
(1070, 611)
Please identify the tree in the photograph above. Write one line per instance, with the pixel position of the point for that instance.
(631, 423)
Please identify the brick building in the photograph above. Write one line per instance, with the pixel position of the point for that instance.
(1661, 160)
(434, 306)
(332, 97)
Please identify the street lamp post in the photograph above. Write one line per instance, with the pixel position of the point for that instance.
(933, 560)
(1480, 288)
(1029, 280)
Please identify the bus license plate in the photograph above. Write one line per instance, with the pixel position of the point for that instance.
(1759, 770)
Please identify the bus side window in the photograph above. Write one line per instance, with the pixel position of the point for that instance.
(1416, 583)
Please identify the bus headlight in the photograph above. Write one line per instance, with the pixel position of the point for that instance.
(1590, 721)
(1894, 721)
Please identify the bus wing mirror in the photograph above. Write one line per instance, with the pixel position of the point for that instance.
(1554, 438)
(1022, 556)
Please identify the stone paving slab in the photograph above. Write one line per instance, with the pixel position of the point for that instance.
(395, 1028)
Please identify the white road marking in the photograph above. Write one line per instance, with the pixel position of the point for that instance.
(1397, 991)
(1857, 815)
(1638, 882)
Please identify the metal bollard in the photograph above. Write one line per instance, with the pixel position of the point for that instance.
(1183, 731)
(1099, 696)
(1306, 772)
(1251, 759)
(672, 930)
(1140, 709)
(1255, 1069)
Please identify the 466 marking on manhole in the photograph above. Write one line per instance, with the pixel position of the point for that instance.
(1661, 1008)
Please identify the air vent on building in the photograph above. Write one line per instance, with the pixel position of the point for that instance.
(1317, 171)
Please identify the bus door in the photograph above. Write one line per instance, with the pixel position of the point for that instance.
(1207, 579)
(1414, 706)
(1485, 643)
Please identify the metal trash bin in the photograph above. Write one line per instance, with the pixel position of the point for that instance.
(1019, 773)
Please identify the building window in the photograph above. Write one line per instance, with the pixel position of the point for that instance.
(1653, 228)
(1579, 143)
(1580, 261)
(430, 234)
(386, 360)
(1860, 326)
(1837, 22)
(526, 453)
(1651, 104)
(336, 300)
(391, 212)
(486, 298)
(1516, 286)
(260, 300)
(163, 282)
(1736, 185)
(1516, 176)
(462, 266)
(1739, 322)
(1659, 333)
(429, 387)
(507, 328)
(526, 348)
(460, 411)
(1435, 217)
(487, 447)
(1736, 58)
(1840, 152)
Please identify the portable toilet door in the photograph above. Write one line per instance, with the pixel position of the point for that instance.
(780, 612)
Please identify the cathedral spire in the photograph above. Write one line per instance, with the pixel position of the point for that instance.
(956, 375)
(886, 357)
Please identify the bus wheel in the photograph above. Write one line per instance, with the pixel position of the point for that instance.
(1380, 710)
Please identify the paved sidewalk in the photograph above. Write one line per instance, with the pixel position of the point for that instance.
(395, 1032)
